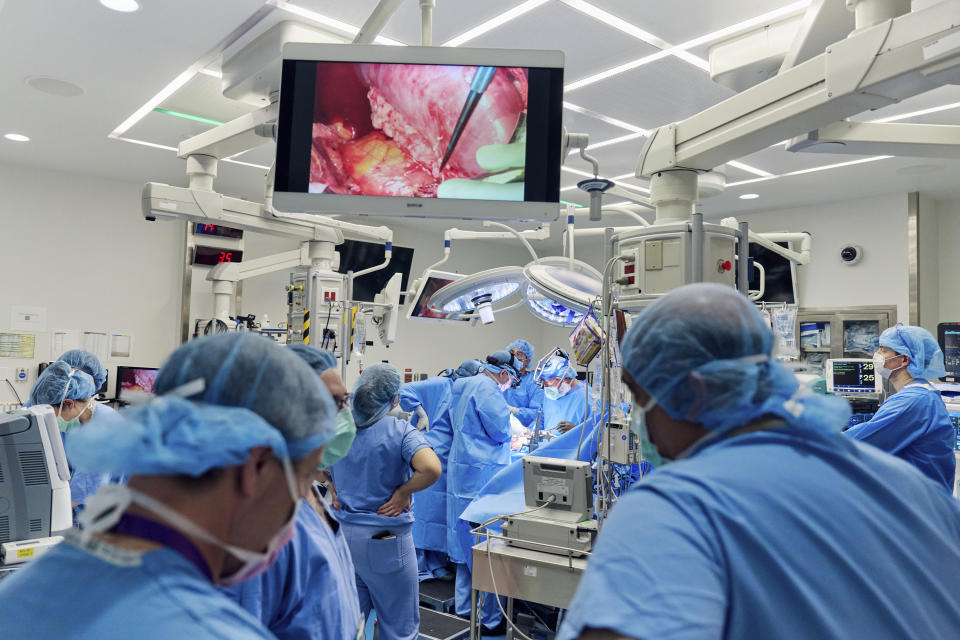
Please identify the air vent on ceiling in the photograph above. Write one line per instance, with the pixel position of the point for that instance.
(33, 467)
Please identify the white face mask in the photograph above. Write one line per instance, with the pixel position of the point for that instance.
(104, 508)
(880, 365)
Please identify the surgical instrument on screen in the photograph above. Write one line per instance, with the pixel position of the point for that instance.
(481, 80)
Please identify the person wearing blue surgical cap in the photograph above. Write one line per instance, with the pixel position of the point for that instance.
(83, 484)
(565, 398)
(388, 462)
(70, 390)
(913, 424)
(761, 520)
(526, 398)
(218, 461)
(433, 396)
(481, 447)
(311, 591)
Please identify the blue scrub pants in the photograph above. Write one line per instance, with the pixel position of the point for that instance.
(490, 615)
(432, 564)
(387, 579)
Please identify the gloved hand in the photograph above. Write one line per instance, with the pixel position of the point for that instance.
(505, 165)
(565, 426)
(423, 423)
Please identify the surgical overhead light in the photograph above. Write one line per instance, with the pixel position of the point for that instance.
(479, 292)
(560, 290)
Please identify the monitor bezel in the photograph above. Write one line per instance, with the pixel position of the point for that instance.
(828, 371)
(391, 206)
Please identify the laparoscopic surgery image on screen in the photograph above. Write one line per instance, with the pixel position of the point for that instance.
(416, 130)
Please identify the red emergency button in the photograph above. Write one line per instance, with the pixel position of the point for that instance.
(724, 265)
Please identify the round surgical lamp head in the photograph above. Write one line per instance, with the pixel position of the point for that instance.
(479, 292)
(560, 293)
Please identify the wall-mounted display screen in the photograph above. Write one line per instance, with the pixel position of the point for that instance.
(419, 125)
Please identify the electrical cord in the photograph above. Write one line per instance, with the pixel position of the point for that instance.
(14, 389)
(493, 580)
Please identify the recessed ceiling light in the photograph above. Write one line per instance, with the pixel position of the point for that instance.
(54, 86)
(749, 196)
(17, 137)
(124, 6)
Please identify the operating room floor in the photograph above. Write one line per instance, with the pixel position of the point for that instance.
(368, 632)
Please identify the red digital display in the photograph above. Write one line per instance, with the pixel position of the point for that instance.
(214, 255)
(217, 230)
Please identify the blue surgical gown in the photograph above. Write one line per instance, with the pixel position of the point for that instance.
(158, 595)
(382, 548)
(786, 533)
(527, 397)
(311, 590)
(430, 506)
(481, 447)
(913, 424)
(570, 408)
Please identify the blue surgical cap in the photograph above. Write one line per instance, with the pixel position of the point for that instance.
(320, 360)
(926, 358)
(468, 368)
(238, 370)
(171, 435)
(60, 382)
(502, 361)
(557, 367)
(374, 393)
(86, 362)
(709, 337)
(523, 345)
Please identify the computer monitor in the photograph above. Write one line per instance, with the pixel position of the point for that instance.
(948, 334)
(780, 274)
(135, 380)
(427, 132)
(356, 255)
(431, 282)
(853, 377)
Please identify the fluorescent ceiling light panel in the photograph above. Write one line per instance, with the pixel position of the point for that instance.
(246, 164)
(187, 116)
(603, 118)
(680, 49)
(172, 87)
(612, 141)
(123, 6)
(811, 170)
(749, 196)
(145, 143)
(326, 21)
(211, 72)
(16, 137)
(914, 114)
(745, 167)
(493, 23)
(631, 29)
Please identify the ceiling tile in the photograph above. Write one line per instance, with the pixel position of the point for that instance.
(659, 93)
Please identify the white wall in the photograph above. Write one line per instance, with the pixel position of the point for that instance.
(879, 225)
(78, 247)
(949, 260)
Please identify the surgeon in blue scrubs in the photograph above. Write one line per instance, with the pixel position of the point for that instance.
(525, 397)
(219, 460)
(481, 448)
(433, 397)
(564, 397)
(913, 424)
(389, 461)
(761, 519)
(310, 593)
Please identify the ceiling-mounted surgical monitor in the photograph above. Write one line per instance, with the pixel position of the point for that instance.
(433, 132)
